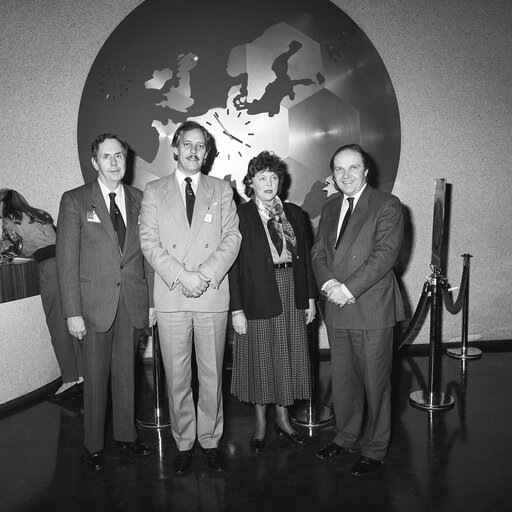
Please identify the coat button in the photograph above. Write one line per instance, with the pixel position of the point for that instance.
(121, 267)
(118, 284)
(174, 246)
(206, 245)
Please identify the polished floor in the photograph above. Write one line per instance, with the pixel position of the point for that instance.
(453, 460)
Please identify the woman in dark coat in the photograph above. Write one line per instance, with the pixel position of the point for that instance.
(272, 299)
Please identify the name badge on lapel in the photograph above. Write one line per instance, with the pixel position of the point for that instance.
(92, 217)
(208, 218)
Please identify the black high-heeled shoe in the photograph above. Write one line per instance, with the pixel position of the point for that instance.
(294, 437)
(257, 445)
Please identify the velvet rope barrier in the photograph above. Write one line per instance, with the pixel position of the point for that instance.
(464, 352)
(407, 336)
(455, 307)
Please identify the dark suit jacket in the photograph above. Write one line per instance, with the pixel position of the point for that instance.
(92, 271)
(363, 261)
(252, 282)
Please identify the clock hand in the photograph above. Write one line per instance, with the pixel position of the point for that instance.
(236, 138)
(216, 116)
(224, 130)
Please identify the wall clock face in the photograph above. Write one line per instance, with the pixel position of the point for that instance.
(115, 82)
(235, 131)
(297, 77)
(240, 136)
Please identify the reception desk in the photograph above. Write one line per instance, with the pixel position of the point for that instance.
(28, 363)
(19, 279)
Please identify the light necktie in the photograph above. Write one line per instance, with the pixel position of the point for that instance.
(117, 220)
(190, 199)
(345, 221)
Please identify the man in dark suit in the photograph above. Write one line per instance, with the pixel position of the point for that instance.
(356, 246)
(105, 297)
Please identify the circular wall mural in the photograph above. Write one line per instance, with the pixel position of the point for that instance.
(297, 77)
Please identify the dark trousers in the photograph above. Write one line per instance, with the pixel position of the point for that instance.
(68, 350)
(105, 354)
(361, 364)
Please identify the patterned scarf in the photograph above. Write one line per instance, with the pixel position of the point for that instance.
(279, 229)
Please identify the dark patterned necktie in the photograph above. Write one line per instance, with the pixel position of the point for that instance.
(117, 220)
(345, 221)
(190, 199)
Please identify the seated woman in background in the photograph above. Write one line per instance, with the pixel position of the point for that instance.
(38, 233)
(272, 299)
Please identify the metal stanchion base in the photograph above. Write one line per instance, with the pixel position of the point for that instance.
(469, 353)
(310, 415)
(154, 418)
(424, 400)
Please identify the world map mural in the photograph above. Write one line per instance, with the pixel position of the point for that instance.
(296, 77)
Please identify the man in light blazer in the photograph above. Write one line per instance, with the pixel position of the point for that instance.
(106, 290)
(189, 234)
(353, 259)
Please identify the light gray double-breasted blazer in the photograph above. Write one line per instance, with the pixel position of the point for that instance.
(210, 244)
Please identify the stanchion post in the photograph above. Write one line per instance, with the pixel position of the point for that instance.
(309, 414)
(432, 398)
(156, 416)
(465, 352)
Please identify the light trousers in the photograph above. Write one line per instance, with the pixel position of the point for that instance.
(207, 331)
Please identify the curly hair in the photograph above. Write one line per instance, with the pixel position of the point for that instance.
(265, 161)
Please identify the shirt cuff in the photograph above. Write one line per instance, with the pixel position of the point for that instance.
(178, 276)
(329, 284)
(346, 291)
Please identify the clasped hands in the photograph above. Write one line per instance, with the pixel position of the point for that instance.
(193, 283)
(336, 295)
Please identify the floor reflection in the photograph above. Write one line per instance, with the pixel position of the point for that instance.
(439, 460)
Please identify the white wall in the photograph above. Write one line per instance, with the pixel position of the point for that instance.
(46, 50)
(450, 65)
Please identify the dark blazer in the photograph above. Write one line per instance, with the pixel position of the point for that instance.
(363, 261)
(252, 282)
(92, 270)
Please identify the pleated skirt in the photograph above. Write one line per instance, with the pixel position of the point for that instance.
(271, 362)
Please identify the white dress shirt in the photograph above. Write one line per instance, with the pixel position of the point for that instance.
(180, 176)
(120, 199)
(344, 209)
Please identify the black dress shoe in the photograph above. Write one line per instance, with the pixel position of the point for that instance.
(215, 459)
(294, 437)
(257, 445)
(330, 450)
(136, 447)
(182, 461)
(366, 466)
(333, 449)
(94, 460)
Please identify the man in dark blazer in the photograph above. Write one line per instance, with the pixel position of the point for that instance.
(353, 258)
(104, 285)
